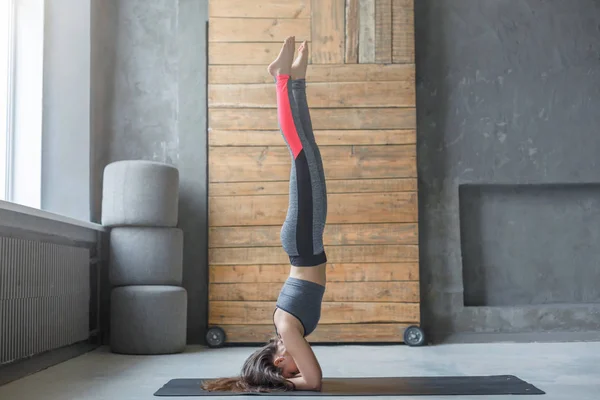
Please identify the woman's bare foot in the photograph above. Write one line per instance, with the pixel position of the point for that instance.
(301, 62)
(283, 63)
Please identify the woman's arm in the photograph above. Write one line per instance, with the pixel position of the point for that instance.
(310, 371)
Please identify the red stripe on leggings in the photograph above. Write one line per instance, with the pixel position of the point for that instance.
(284, 113)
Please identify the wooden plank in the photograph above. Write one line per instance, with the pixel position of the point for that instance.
(239, 164)
(333, 186)
(259, 312)
(354, 333)
(259, 9)
(250, 53)
(278, 273)
(327, 31)
(321, 95)
(257, 29)
(403, 32)
(399, 291)
(366, 32)
(322, 118)
(335, 255)
(334, 235)
(342, 208)
(231, 74)
(383, 31)
(352, 27)
(324, 137)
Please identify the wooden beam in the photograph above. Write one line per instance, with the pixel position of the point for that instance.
(352, 29)
(327, 31)
(364, 272)
(322, 119)
(321, 95)
(230, 74)
(334, 333)
(250, 53)
(259, 9)
(383, 31)
(333, 186)
(219, 138)
(257, 29)
(261, 312)
(397, 291)
(335, 235)
(403, 33)
(366, 35)
(335, 255)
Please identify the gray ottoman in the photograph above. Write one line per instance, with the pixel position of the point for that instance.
(146, 256)
(140, 193)
(148, 319)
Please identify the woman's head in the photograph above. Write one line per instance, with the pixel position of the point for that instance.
(267, 369)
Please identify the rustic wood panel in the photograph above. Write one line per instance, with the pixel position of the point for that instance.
(342, 208)
(403, 33)
(333, 186)
(404, 291)
(328, 31)
(383, 31)
(231, 74)
(257, 29)
(335, 235)
(259, 312)
(335, 254)
(364, 272)
(332, 333)
(259, 9)
(273, 164)
(337, 118)
(352, 27)
(254, 53)
(218, 137)
(321, 95)
(366, 34)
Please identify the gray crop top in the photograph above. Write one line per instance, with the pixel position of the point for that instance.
(302, 299)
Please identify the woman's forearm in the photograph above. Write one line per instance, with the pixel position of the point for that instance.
(300, 383)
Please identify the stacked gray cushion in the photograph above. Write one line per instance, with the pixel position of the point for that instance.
(148, 319)
(148, 306)
(140, 193)
(146, 256)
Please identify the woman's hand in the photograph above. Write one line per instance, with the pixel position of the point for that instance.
(310, 374)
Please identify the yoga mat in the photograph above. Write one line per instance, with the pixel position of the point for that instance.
(413, 386)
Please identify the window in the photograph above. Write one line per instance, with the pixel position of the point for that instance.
(6, 46)
(21, 89)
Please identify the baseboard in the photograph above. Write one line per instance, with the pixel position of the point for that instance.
(528, 337)
(22, 368)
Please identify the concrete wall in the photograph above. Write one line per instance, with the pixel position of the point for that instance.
(149, 102)
(508, 93)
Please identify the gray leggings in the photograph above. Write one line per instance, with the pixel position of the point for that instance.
(302, 231)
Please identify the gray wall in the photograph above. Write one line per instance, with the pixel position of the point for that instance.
(508, 97)
(149, 102)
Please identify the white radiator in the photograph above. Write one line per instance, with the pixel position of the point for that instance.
(44, 297)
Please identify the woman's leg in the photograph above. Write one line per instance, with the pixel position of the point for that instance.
(302, 232)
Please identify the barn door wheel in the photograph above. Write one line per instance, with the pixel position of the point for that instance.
(215, 337)
(414, 336)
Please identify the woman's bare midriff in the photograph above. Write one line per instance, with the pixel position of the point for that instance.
(316, 274)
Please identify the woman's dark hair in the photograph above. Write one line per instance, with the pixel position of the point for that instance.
(259, 374)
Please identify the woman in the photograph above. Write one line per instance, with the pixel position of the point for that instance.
(287, 362)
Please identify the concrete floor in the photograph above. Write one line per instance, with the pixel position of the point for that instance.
(562, 370)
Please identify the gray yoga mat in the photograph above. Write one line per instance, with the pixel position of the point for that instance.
(407, 386)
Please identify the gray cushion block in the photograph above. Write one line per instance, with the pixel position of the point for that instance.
(146, 256)
(148, 319)
(140, 193)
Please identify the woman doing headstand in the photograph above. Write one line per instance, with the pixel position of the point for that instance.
(287, 361)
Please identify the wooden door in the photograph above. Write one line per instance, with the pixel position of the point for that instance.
(361, 90)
